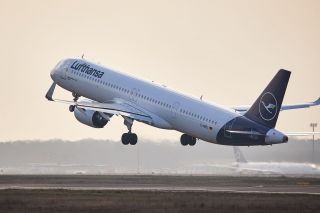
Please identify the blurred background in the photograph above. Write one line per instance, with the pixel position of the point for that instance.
(226, 51)
(90, 156)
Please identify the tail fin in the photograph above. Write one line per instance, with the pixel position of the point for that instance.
(266, 108)
(238, 155)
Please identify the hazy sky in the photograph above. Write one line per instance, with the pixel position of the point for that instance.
(227, 51)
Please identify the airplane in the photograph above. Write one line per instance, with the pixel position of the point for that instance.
(108, 92)
(272, 168)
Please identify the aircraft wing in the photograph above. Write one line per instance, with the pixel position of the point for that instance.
(112, 107)
(243, 109)
(115, 107)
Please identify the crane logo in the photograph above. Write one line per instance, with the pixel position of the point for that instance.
(268, 106)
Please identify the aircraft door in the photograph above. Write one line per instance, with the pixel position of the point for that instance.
(134, 94)
(175, 109)
(66, 70)
(229, 126)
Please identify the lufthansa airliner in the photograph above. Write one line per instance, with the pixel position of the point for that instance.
(107, 92)
(272, 168)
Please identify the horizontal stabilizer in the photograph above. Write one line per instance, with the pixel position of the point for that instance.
(245, 132)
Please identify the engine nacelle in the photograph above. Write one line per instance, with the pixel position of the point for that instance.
(91, 118)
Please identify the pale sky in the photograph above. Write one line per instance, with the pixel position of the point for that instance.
(227, 51)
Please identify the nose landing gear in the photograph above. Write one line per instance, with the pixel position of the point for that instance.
(75, 96)
(75, 99)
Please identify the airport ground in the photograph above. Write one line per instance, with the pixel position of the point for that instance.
(142, 193)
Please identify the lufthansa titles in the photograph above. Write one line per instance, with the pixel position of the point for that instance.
(85, 68)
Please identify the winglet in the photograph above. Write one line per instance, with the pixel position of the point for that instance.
(50, 92)
(317, 102)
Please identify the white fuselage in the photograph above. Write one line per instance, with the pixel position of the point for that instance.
(288, 168)
(182, 113)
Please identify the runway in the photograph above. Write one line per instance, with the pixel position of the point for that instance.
(145, 193)
(266, 185)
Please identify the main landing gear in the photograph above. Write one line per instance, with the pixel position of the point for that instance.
(187, 140)
(129, 138)
(75, 99)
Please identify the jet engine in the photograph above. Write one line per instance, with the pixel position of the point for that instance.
(91, 118)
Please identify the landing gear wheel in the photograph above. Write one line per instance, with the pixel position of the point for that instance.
(133, 139)
(187, 140)
(193, 141)
(71, 108)
(184, 140)
(125, 139)
(129, 138)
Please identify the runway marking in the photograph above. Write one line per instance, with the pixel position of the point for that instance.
(161, 189)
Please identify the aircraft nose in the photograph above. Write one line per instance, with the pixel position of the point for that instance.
(54, 71)
(285, 139)
(53, 74)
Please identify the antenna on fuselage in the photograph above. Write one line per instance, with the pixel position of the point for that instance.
(82, 56)
(201, 97)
